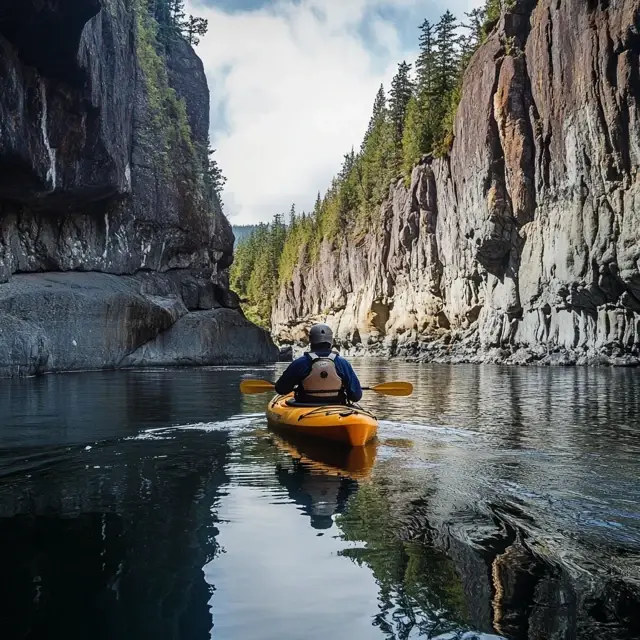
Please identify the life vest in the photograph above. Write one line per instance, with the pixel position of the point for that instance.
(323, 380)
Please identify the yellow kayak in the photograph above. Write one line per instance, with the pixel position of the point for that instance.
(345, 424)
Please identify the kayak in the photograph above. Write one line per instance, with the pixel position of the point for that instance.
(345, 424)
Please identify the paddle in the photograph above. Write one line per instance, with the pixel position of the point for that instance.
(386, 388)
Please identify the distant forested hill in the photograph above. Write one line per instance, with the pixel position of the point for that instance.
(243, 231)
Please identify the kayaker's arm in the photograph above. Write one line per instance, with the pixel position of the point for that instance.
(292, 376)
(349, 379)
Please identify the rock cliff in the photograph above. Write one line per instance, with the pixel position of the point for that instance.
(523, 244)
(103, 157)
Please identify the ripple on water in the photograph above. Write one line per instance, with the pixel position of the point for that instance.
(234, 424)
(450, 434)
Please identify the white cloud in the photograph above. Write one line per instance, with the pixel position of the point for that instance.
(296, 82)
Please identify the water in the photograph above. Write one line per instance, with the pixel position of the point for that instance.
(498, 503)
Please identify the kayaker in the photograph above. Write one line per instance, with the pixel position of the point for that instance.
(321, 374)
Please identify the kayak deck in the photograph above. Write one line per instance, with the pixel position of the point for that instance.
(345, 424)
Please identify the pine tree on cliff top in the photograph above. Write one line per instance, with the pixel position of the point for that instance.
(470, 41)
(400, 94)
(379, 111)
(174, 23)
(447, 55)
(421, 123)
(425, 65)
(377, 157)
(413, 144)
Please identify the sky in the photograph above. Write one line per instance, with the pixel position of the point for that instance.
(292, 85)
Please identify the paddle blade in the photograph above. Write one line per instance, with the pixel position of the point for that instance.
(394, 388)
(256, 386)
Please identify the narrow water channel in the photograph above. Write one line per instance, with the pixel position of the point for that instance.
(497, 503)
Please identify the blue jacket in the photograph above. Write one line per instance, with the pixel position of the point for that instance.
(300, 368)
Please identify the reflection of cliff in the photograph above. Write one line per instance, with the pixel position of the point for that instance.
(420, 590)
(511, 590)
(474, 572)
(540, 601)
(113, 549)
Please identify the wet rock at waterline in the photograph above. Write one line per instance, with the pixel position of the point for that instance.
(285, 354)
(522, 245)
(103, 158)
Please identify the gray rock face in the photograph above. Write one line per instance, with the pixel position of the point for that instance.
(524, 243)
(218, 336)
(76, 321)
(102, 169)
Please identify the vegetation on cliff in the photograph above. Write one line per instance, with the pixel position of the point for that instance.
(174, 23)
(415, 118)
(159, 24)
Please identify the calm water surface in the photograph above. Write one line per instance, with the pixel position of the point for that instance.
(498, 503)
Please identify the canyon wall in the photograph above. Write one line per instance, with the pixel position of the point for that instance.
(113, 247)
(523, 243)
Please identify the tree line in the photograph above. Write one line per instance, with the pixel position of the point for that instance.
(256, 264)
(415, 117)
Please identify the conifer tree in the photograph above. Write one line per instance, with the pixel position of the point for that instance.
(476, 19)
(376, 165)
(447, 55)
(379, 111)
(214, 176)
(173, 23)
(400, 94)
(176, 13)
(423, 123)
(470, 41)
(412, 139)
(425, 66)
(194, 28)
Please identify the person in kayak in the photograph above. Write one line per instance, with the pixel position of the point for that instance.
(321, 375)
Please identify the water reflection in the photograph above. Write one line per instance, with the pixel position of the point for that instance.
(121, 542)
(103, 529)
(498, 502)
(418, 592)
